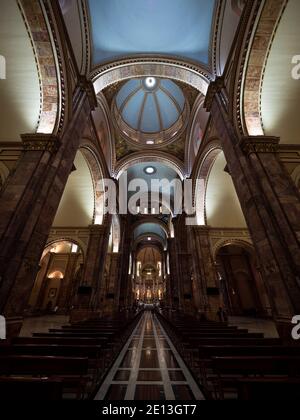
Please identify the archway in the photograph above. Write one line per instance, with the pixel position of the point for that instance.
(149, 279)
(56, 282)
(242, 287)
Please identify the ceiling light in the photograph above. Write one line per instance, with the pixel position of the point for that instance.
(150, 170)
(150, 142)
(150, 82)
(149, 239)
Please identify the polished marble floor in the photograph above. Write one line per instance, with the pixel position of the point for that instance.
(149, 368)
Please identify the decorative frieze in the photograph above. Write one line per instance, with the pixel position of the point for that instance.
(259, 144)
(88, 87)
(213, 89)
(40, 142)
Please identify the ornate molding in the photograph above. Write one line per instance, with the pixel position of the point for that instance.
(40, 27)
(40, 142)
(213, 89)
(227, 236)
(80, 236)
(265, 22)
(154, 156)
(202, 168)
(96, 171)
(88, 87)
(259, 144)
(113, 72)
(98, 230)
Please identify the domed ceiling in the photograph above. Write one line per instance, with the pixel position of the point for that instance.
(150, 105)
(170, 27)
(150, 111)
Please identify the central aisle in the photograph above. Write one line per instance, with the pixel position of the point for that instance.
(149, 368)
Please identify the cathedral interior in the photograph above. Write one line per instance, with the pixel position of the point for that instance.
(149, 200)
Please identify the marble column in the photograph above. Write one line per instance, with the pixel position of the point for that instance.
(95, 264)
(28, 205)
(174, 274)
(205, 272)
(271, 206)
(125, 278)
(113, 289)
(63, 302)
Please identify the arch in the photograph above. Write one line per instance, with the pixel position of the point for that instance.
(96, 171)
(243, 243)
(296, 176)
(149, 219)
(103, 107)
(193, 75)
(56, 275)
(116, 233)
(252, 71)
(78, 242)
(153, 156)
(155, 237)
(189, 146)
(49, 62)
(202, 172)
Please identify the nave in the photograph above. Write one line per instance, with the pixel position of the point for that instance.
(149, 368)
(150, 355)
(149, 155)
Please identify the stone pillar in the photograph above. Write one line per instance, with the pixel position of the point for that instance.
(125, 279)
(185, 283)
(184, 265)
(28, 205)
(113, 292)
(95, 263)
(271, 206)
(63, 302)
(174, 274)
(43, 287)
(167, 279)
(205, 272)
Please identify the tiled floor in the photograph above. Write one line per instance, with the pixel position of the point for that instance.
(149, 368)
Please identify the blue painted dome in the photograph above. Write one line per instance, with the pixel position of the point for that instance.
(150, 105)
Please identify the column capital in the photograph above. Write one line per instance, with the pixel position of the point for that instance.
(259, 144)
(215, 87)
(201, 229)
(88, 87)
(40, 142)
(97, 229)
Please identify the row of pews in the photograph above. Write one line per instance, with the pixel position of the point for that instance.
(231, 363)
(66, 363)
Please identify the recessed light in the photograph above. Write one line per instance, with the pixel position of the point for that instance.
(149, 239)
(150, 142)
(150, 170)
(150, 82)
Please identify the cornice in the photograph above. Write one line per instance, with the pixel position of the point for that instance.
(259, 144)
(40, 142)
(214, 88)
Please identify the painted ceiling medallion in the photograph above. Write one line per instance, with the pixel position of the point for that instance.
(150, 112)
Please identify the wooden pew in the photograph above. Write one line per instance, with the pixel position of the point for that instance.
(31, 389)
(262, 389)
(230, 369)
(72, 371)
